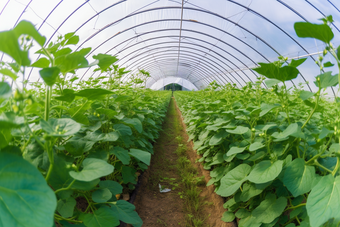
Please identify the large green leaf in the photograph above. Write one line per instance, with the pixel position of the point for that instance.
(121, 154)
(9, 73)
(77, 147)
(218, 138)
(271, 70)
(232, 181)
(65, 207)
(125, 211)
(141, 155)
(114, 187)
(327, 80)
(70, 62)
(289, 131)
(235, 150)
(136, 123)
(123, 130)
(228, 216)
(105, 60)
(41, 63)
(269, 209)
(5, 91)
(265, 171)
(250, 190)
(93, 93)
(49, 75)
(267, 108)
(92, 169)
(304, 95)
(323, 201)
(103, 217)
(60, 127)
(101, 195)
(238, 130)
(27, 28)
(318, 31)
(298, 177)
(255, 146)
(25, 198)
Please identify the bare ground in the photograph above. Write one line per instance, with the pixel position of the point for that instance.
(167, 209)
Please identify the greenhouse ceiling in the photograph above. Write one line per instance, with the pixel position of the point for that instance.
(193, 41)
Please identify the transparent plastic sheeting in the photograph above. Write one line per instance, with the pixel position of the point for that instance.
(197, 40)
(187, 85)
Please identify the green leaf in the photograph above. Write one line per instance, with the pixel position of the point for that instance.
(60, 127)
(218, 138)
(123, 130)
(111, 137)
(105, 60)
(73, 40)
(143, 156)
(114, 187)
(101, 195)
(77, 147)
(271, 70)
(103, 217)
(328, 64)
(289, 131)
(250, 190)
(36, 155)
(70, 62)
(242, 213)
(326, 80)
(125, 211)
(228, 216)
(9, 45)
(298, 177)
(235, 150)
(318, 31)
(92, 169)
(49, 75)
(304, 95)
(267, 107)
(9, 73)
(108, 112)
(25, 197)
(271, 82)
(65, 207)
(41, 63)
(27, 28)
(265, 171)
(136, 123)
(5, 90)
(257, 156)
(121, 154)
(232, 181)
(323, 200)
(129, 175)
(296, 63)
(255, 146)
(269, 209)
(93, 93)
(238, 130)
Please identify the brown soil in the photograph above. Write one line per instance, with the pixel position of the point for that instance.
(167, 209)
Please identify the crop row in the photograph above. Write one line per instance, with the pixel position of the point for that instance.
(273, 153)
(69, 150)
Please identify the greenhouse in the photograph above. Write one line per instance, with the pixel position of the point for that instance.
(152, 113)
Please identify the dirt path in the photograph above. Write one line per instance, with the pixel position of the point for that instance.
(168, 209)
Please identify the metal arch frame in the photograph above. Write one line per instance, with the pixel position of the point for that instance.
(204, 70)
(196, 45)
(155, 21)
(186, 21)
(154, 38)
(204, 67)
(193, 31)
(184, 51)
(125, 0)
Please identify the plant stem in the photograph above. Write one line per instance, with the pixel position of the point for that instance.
(47, 103)
(294, 207)
(67, 188)
(336, 167)
(316, 105)
(79, 109)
